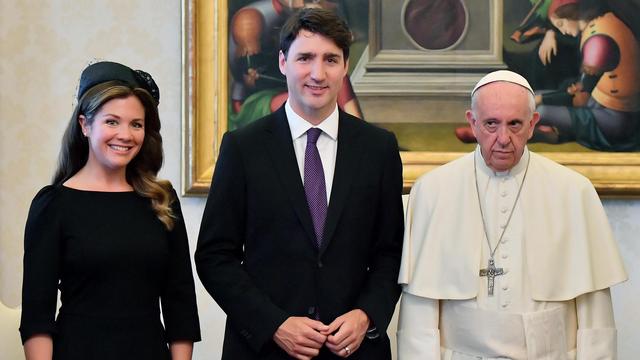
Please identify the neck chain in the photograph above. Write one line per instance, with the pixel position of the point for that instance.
(484, 223)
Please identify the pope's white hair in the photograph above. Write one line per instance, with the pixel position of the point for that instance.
(474, 100)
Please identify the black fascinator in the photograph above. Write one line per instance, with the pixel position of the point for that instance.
(105, 71)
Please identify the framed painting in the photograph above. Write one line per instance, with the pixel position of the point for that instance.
(414, 85)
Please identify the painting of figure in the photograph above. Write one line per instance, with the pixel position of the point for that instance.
(601, 109)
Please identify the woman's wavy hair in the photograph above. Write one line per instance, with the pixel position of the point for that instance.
(142, 170)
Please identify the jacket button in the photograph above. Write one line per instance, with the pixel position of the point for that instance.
(320, 264)
(311, 310)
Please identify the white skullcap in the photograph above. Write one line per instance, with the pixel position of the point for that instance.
(502, 75)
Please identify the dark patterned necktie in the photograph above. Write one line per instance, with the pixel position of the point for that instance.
(314, 185)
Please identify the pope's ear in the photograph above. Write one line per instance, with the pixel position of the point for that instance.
(472, 122)
(535, 118)
(470, 119)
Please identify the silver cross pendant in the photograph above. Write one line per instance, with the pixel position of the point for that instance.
(491, 272)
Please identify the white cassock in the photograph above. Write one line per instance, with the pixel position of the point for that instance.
(558, 255)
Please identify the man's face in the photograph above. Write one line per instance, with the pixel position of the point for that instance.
(315, 68)
(502, 123)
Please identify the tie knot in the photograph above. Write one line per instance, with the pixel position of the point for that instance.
(313, 134)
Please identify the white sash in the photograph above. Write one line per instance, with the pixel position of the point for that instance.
(539, 335)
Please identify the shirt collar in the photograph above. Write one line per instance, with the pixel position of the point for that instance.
(514, 171)
(299, 125)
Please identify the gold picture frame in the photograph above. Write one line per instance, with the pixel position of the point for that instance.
(205, 98)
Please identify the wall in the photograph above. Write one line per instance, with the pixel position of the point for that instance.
(44, 45)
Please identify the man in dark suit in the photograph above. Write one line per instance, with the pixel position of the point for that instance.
(302, 232)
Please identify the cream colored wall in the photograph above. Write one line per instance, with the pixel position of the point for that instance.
(45, 44)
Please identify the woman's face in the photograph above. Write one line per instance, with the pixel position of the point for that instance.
(565, 26)
(116, 134)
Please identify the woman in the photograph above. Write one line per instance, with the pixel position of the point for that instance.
(602, 109)
(109, 235)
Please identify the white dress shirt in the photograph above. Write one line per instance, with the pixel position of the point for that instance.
(327, 142)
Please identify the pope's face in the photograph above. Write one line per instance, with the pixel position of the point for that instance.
(315, 68)
(502, 123)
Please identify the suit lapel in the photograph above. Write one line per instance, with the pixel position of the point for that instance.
(280, 147)
(347, 159)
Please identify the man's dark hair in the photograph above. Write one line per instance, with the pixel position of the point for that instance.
(319, 21)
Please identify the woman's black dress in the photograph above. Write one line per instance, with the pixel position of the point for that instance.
(114, 263)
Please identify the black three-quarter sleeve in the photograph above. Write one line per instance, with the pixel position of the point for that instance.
(179, 308)
(42, 249)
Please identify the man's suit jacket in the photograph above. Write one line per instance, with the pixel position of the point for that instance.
(256, 254)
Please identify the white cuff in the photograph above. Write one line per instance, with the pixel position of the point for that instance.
(419, 346)
(597, 344)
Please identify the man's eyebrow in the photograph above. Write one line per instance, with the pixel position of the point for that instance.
(331, 54)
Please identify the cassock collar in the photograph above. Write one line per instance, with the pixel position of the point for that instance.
(299, 125)
(515, 171)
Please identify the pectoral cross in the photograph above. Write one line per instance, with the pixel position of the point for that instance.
(491, 272)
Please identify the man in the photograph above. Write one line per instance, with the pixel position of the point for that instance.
(301, 237)
(506, 254)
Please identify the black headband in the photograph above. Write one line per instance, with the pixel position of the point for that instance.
(101, 72)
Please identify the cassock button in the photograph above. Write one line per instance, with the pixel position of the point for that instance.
(503, 210)
(503, 225)
(505, 287)
(503, 194)
(505, 304)
(505, 240)
(504, 255)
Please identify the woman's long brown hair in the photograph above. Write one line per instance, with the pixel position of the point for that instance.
(141, 172)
